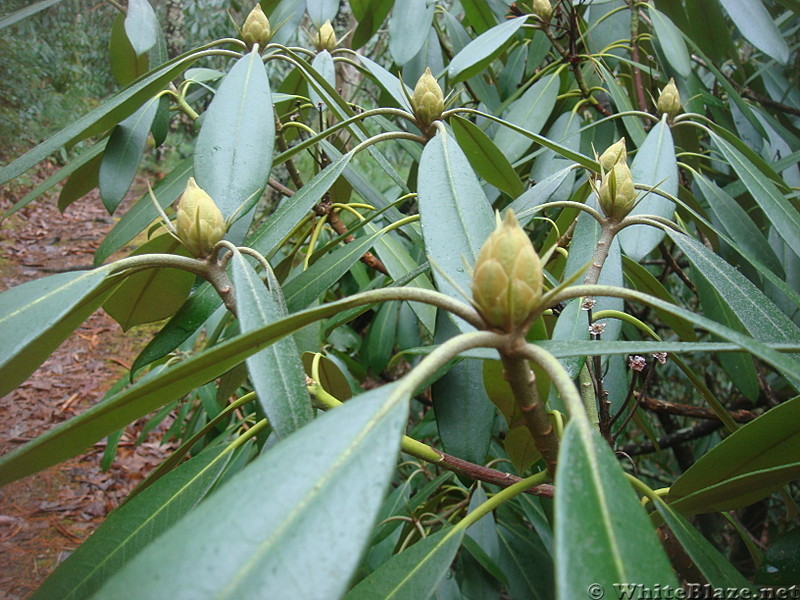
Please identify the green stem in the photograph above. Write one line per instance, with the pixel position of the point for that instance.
(587, 394)
(559, 376)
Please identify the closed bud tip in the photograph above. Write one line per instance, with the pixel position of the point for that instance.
(199, 223)
(507, 280)
(325, 38)
(543, 9)
(669, 101)
(613, 154)
(256, 29)
(428, 99)
(617, 193)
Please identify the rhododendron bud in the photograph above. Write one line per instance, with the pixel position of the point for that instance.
(617, 193)
(256, 29)
(428, 99)
(199, 224)
(325, 38)
(543, 9)
(507, 280)
(669, 101)
(614, 154)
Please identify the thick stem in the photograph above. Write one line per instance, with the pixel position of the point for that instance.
(609, 229)
(522, 380)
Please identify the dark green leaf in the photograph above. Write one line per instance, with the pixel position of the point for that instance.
(278, 515)
(671, 41)
(603, 536)
(757, 26)
(539, 194)
(479, 15)
(37, 316)
(153, 294)
(276, 372)
(81, 182)
(126, 66)
(26, 12)
(754, 461)
(482, 50)
(527, 565)
(780, 566)
(141, 25)
(134, 525)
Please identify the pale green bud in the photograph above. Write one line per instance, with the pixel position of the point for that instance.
(325, 38)
(428, 99)
(199, 223)
(669, 101)
(543, 9)
(617, 192)
(507, 280)
(613, 154)
(256, 29)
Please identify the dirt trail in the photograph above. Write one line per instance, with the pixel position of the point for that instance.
(46, 516)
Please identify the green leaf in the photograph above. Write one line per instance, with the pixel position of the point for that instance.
(278, 520)
(751, 463)
(408, 28)
(655, 165)
(233, 154)
(780, 566)
(320, 11)
(381, 337)
(126, 66)
(526, 563)
(762, 319)
(714, 567)
(322, 64)
(141, 26)
(530, 111)
(80, 183)
(455, 214)
(26, 12)
(671, 41)
(415, 573)
(757, 26)
(540, 193)
(108, 114)
(478, 15)
(131, 527)
(143, 213)
(602, 535)
(37, 316)
(123, 151)
(370, 15)
(276, 372)
(486, 158)
(388, 82)
(481, 51)
(623, 104)
(153, 294)
(738, 224)
(780, 212)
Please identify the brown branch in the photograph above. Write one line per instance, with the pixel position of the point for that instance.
(696, 412)
(489, 475)
(641, 99)
(668, 441)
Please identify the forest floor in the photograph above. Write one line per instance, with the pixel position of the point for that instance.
(46, 516)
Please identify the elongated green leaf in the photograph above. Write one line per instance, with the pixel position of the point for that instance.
(134, 525)
(482, 50)
(623, 103)
(80, 183)
(415, 573)
(108, 114)
(486, 158)
(780, 212)
(526, 563)
(540, 193)
(320, 11)
(455, 214)
(565, 130)
(37, 316)
(530, 111)
(388, 82)
(714, 567)
(762, 319)
(278, 515)
(322, 64)
(276, 372)
(671, 41)
(233, 155)
(478, 14)
(141, 214)
(751, 463)
(126, 66)
(370, 15)
(26, 12)
(602, 535)
(123, 151)
(408, 28)
(654, 164)
(757, 26)
(738, 224)
(141, 25)
(153, 294)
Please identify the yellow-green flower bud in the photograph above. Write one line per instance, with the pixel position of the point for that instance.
(617, 193)
(614, 154)
(325, 38)
(507, 280)
(543, 9)
(669, 101)
(199, 224)
(428, 99)
(256, 29)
